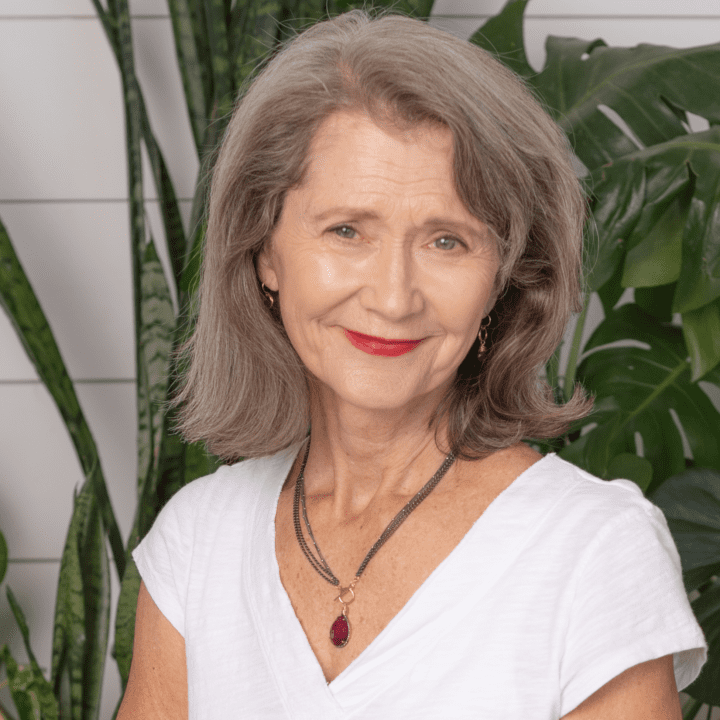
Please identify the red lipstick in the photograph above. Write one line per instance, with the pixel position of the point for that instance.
(380, 346)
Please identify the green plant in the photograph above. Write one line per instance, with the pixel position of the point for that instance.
(653, 228)
(654, 190)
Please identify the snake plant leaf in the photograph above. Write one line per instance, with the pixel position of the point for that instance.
(82, 613)
(502, 35)
(176, 239)
(41, 688)
(3, 556)
(156, 332)
(157, 325)
(636, 389)
(691, 504)
(648, 87)
(191, 71)
(701, 330)
(222, 70)
(169, 207)
(107, 20)
(28, 319)
(22, 683)
(125, 620)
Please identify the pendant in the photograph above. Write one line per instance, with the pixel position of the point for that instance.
(340, 631)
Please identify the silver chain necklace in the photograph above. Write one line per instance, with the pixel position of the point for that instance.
(340, 629)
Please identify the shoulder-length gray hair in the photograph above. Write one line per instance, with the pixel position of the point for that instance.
(245, 390)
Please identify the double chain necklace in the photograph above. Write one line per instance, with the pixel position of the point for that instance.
(340, 629)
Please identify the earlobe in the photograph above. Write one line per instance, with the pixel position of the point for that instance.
(490, 304)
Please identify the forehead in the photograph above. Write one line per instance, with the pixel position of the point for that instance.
(355, 156)
(357, 133)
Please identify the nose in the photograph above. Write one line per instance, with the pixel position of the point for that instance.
(391, 288)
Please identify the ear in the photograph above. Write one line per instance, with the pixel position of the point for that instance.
(266, 270)
(490, 304)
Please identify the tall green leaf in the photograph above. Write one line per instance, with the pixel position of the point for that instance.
(82, 613)
(40, 687)
(157, 325)
(22, 682)
(27, 317)
(169, 207)
(191, 70)
(156, 330)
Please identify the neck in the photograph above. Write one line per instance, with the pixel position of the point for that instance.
(360, 457)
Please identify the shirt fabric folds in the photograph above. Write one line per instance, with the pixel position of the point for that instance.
(564, 582)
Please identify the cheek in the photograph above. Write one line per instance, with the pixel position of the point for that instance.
(463, 297)
(315, 280)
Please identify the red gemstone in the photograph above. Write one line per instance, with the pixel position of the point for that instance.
(340, 631)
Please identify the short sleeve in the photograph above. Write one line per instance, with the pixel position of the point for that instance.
(629, 606)
(163, 557)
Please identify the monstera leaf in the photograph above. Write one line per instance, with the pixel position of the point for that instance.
(642, 389)
(691, 504)
(650, 87)
(657, 220)
(654, 184)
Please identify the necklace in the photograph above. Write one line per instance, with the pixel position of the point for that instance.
(340, 629)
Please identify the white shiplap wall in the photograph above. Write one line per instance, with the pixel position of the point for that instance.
(63, 199)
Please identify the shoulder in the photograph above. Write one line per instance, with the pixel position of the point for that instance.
(584, 488)
(592, 513)
(250, 477)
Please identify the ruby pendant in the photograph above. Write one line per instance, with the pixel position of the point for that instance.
(340, 631)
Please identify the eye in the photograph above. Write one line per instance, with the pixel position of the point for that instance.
(447, 242)
(343, 227)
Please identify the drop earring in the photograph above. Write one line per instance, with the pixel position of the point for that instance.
(482, 336)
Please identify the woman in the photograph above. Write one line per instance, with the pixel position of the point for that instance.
(393, 252)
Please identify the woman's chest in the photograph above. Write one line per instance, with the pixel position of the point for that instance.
(399, 569)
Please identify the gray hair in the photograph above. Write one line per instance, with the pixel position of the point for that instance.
(245, 391)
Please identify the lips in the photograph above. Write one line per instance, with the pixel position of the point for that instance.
(380, 346)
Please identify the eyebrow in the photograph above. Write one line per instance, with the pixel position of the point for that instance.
(357, 214)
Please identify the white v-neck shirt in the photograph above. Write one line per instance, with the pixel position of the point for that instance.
(564, 582)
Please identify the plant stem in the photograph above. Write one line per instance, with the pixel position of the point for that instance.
(569, 383)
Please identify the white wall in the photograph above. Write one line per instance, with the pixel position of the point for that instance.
(63, 199)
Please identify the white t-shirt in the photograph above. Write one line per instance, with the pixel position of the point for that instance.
(564, 582)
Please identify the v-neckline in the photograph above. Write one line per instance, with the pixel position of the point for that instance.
(294, 657)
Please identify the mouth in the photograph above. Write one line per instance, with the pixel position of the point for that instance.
(380, 346)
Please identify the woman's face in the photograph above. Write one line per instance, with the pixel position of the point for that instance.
(377, 242)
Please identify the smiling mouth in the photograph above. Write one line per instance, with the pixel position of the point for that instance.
(380, 346)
